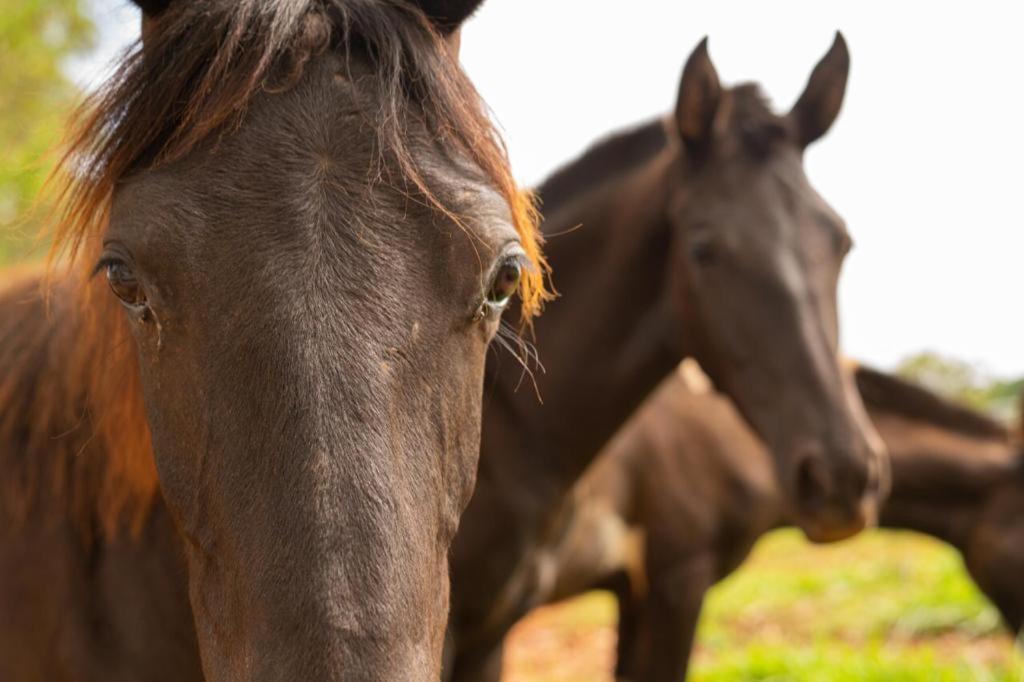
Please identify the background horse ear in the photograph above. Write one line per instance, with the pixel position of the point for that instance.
(818, 106)
(448, 15)
(699, 95)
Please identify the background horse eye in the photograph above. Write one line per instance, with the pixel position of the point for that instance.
(703, 253)
(124, 284)
(505, 282)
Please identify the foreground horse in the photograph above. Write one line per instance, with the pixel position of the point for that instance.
(244, 429)
(686, 489)
(702, 236)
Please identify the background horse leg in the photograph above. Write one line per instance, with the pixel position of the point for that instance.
(669, 617)
(481, 664)
(630, 598)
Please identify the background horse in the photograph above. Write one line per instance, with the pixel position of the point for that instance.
(686, 489)
(292, 230)
(702, 236)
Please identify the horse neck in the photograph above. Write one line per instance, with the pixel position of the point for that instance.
(603, 342)
(940, 480)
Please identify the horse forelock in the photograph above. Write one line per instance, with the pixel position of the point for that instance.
(203, 63)
(752, 121)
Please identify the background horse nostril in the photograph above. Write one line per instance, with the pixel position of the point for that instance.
(813, 486)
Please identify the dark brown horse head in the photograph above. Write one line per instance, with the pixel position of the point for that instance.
(759, 261)
(312, 234)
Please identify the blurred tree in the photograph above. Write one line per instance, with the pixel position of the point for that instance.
(36, 38)
(963, 382)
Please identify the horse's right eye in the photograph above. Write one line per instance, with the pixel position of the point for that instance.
(505, 282)
(125, 285)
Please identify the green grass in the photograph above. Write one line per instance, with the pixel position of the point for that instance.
(881, 584)
(841, 662)
(884, 606)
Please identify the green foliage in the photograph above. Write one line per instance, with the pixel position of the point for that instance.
(963, 382)
(36, 37)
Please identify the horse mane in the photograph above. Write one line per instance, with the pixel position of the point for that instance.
(898, 396)
(73, 432)
(606, 160)
(74, 375)
(750, 119)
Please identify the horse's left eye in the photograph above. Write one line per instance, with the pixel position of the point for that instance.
(125, 285)
(505, 282)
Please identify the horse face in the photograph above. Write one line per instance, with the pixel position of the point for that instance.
(758, 258)
(311, 336)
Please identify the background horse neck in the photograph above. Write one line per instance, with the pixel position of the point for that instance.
(941, 477)
(603, 342)
(941, 448)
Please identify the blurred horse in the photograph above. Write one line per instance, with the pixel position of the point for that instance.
(685, 490)
(700, 236)
(236, 439)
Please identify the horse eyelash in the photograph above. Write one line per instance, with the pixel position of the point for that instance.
(524, 353)
(522, 259)
(104, 262)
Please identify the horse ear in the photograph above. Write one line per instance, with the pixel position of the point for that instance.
(818, 106)
(699, 95)
(152, 8)
(448, 15)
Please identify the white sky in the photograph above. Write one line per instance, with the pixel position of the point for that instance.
(924, 162)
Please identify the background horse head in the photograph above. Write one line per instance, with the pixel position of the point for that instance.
(298, 231)
(759, 254)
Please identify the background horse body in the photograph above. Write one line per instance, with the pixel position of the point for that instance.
(80, 599)
(248, 448)
(685, 490)
(700, 235)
